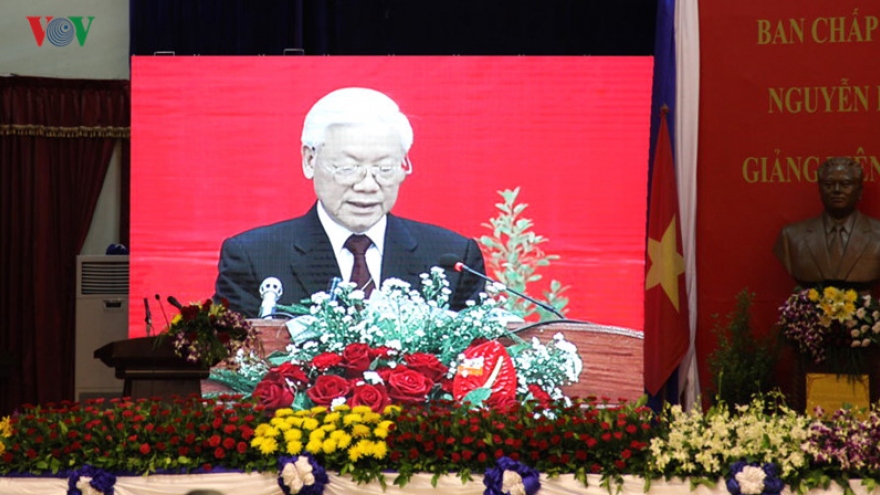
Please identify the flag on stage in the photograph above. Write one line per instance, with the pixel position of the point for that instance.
(667, 329)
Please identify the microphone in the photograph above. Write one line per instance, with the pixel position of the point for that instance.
(174, 302)
(148, 319)
(452, 262)
(270, 291)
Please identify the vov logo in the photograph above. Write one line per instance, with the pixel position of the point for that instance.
(60, 31)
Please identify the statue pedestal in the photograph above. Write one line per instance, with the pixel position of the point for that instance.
(827, 386)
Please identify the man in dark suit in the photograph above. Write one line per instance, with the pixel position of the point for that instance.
(355, 143)
(842, 245)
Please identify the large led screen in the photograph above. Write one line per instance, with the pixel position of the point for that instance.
(216, 150)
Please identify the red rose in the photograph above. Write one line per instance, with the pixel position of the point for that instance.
(408, 386)
(373, 396)
(326, 360)
(327, 388)
(356, 359)
(288, 372)
(273, 393)
(426, 364)
(382, 352)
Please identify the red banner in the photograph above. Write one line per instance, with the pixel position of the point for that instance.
(784, 85)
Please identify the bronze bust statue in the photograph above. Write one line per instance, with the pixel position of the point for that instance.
(842, 245)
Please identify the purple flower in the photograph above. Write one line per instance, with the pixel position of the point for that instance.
(98, 480)
(509, 477)
(301, 475)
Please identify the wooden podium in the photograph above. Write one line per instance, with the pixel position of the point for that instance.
(613, 357)
(151, 370)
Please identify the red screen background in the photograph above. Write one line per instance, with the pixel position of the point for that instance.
(216, 150)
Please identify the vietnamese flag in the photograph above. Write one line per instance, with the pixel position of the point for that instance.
(666, 330)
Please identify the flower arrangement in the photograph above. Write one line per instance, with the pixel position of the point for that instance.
(846, 442)
(701, 446)
(753, 448)
(208, 333)
(143, 436)
(403, 346)
(816, 319)
(351, 440)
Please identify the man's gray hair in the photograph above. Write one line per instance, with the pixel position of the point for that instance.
(354, 106)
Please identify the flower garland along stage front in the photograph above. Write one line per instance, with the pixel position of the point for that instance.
(525, 449)
(397, 394)
(403, 346)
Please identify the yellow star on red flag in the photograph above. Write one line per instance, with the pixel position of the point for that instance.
(666, 263)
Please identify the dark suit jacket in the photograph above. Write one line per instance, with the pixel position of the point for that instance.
(299, 254)
(803, 251)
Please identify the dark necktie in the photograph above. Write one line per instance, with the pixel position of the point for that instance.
(835, 244)
(360, 274)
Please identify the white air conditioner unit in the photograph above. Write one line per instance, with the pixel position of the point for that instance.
(101, 318)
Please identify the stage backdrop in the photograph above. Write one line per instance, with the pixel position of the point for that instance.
(784, 85)
(216, 150)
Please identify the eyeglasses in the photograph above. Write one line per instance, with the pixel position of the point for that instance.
(385, 174)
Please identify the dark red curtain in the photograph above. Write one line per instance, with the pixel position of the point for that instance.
(56, 139)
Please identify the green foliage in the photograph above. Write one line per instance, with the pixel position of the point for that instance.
(742, 363)
(514, 255)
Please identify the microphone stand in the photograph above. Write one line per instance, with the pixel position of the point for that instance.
(461, 266)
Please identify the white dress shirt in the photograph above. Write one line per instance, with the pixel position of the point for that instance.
(344, 258)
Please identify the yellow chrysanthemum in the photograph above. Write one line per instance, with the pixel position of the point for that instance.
(6, 427)
(310, 424)
(317, 435)
(328, 427)
(283, 412)
(386, 424)
(372, 417)
(813, 295)
(391, 409)
(360, 431)
(342, 438)
(357, 451)
(280, 424)
(318, 410)
(332, 417)
(380, 432)
(361, 409)
(314, 447)
(329, 446)
(265, 430)
(850, 296)
(295, 421)
(351, 419)
(380, 450)
(294, 447)
(342, 407)
(292, 435)
(268, 446)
